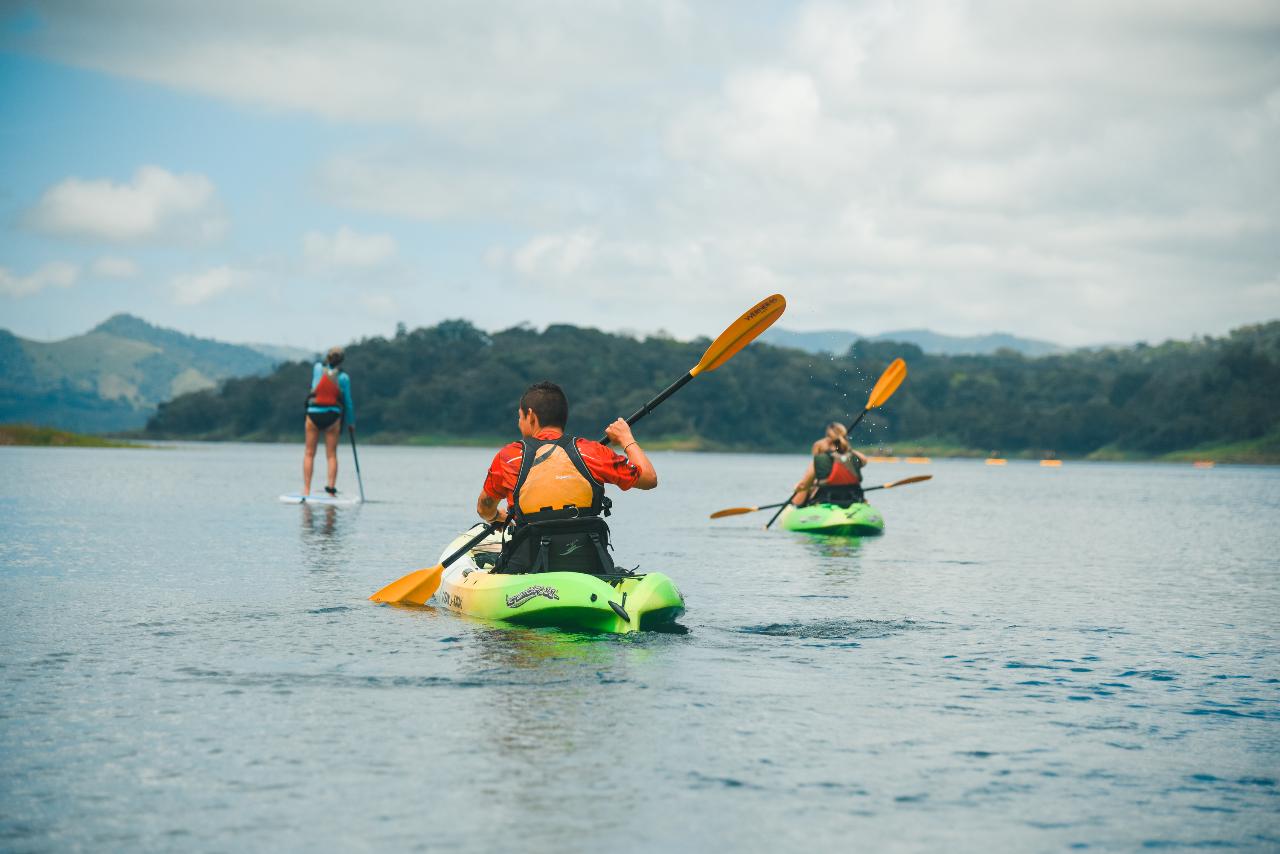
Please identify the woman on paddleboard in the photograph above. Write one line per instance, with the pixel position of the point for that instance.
(835, 473)
(328, 406)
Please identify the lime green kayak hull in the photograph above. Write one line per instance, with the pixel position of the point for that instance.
(856, 520)
(566, 600)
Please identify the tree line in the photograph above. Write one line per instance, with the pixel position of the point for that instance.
(454, 381)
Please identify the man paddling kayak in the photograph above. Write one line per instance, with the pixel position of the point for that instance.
(835, 474)
(329, 405)
(554, 488)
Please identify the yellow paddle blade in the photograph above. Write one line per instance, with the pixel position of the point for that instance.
(741, 333)
(733, 511)
(917, 479)
(888, 383)
(414, 589)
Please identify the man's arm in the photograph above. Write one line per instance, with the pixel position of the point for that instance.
(619, 432)
(497, 482)
(487, 507)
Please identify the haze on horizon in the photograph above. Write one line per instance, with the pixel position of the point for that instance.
(304, 173)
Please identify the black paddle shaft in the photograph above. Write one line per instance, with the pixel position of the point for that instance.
(849, 431)
(351, 434)
(781, 507)
(653, 404)
(470, 544)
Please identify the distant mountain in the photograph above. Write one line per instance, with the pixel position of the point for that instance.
(281, 353)
(933, 343)
(114, 376)
(828, 341)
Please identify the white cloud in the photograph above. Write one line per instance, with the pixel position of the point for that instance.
(439, 64)
(197, 288)
(380, 305)
(347, 248)
(114, 267)
(157, 205)
(490, 185)
(558, 255)
(56, 274)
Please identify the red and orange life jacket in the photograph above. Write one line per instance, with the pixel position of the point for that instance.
(844, 469)
(327, 391)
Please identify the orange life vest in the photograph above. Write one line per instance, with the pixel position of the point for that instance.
(327, 391)
(844, 469)
(554, 483)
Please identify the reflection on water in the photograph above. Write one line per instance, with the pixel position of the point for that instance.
(328, 523)
(835, 548)
(558, 715)
(324, 530)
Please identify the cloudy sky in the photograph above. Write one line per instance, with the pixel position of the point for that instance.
(310, 172)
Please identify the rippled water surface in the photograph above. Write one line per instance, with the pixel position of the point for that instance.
(1029, 659)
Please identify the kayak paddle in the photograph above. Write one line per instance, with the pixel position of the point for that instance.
(883, 390)
(351, 431)
(739, 334)
(917, 479)
(738, 511)
(420, 585)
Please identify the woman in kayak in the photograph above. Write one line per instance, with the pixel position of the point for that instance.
(554, 488)
(835, 474)
(328, 406)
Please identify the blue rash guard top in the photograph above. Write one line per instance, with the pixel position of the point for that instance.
(348, 408)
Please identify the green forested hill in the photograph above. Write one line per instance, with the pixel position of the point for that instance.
(454, 381)
(112, 377)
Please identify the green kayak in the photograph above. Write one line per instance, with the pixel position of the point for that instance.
(855, 520)
(567, 600)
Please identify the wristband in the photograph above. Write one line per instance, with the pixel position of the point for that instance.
(629, 444)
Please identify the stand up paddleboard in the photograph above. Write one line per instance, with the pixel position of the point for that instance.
(322, 498)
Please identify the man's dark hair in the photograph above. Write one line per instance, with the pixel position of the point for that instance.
(548, 402)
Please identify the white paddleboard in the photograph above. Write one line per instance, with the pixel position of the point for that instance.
(322, 498)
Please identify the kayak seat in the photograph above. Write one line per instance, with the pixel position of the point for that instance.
(558, 545)
(843, 496)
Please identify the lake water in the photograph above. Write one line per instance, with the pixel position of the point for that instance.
(1030, 659)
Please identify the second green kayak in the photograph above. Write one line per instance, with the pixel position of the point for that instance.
(856, 520)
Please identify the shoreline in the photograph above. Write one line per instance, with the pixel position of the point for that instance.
(1262, 451)
(33, 436)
